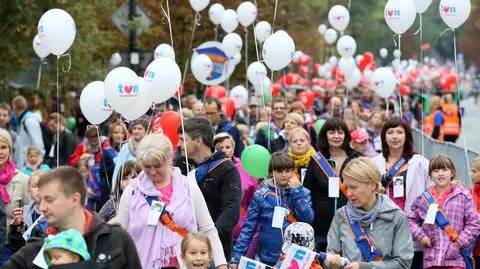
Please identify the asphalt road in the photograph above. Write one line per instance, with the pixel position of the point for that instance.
(471, 125)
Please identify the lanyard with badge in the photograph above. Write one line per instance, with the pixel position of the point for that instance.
(392, 177)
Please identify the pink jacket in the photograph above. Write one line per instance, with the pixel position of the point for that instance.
(464, 219)
(249, 186)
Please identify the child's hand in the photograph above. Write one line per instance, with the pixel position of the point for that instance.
(17, 216)
(294, 182)
(425, 242)
(333, 261)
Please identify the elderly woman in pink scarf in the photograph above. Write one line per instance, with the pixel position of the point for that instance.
(160, 206)
(225, 143)
(13, 188)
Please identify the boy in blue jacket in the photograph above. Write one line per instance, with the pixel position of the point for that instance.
(282, 193)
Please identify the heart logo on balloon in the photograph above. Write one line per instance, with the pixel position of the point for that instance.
(127, 90)
(378, 84)
(390, 13)
(393, 14)
(449, 10)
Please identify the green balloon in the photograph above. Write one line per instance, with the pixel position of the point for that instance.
(71, 122)
(267, 97)
(318, 125)
(255, 160)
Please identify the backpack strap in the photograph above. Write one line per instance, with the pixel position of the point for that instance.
(327, 169)
(166, 218)
(272, 199)
(366, 246)
(228, 126)
(204, 169)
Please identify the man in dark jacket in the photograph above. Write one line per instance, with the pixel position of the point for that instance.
(221, 124)
(68, 141)
(62, 193)
(216, 176)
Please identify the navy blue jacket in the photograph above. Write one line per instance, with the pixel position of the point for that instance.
(260, 213)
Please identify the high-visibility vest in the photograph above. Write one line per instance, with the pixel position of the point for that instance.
(429, 125)
(451, 124)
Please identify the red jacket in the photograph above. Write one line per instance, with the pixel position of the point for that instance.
(82, 149)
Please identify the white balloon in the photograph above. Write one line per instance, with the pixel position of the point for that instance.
(247, 13)
(330, 36)
(397, 54)
(400, 15)
(333, 61)
(359, 58)
(265, 85)
(346, 46)
(383, 53)
(229, 20)
(367, 73)
(162, 79)
(256, 71)
(164, 50)
(237, 58)
(383, 82)
(353, 80)
(422, 5)
(199, 5)
(232, 44)
(116, 59)
(339, 17)
(222, 66)
(201, 67)
(239, 95)
(262, 31)
(322, 28)
(40, 50)
(122, 89)
(347, 65)
(297, 55)
(93, 103)
(278, 50)
(56, 30)
(323, 71)
(455, 12)
(215, 13)
(142, 106)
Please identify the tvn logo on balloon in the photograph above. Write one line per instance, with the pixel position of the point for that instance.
(127, 90)
(149, 75)
(339, 18)
(392, 13)
(378, 84)
(106, 106)
(448, 10)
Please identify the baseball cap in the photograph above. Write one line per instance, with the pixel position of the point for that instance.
(359, 136)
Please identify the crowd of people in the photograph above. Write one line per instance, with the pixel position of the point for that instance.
(343, 179)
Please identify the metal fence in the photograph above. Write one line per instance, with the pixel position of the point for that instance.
(432, 148)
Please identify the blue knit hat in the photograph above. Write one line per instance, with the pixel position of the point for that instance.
(71, 240)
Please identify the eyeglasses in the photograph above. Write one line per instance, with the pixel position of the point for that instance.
(278, 108)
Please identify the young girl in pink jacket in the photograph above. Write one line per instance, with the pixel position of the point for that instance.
(444, 219)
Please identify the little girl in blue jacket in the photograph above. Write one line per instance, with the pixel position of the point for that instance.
(284, 190)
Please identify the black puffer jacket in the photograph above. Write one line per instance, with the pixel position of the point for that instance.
(222, 190)
(108, 244)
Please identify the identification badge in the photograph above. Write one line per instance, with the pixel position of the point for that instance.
(278, 217)
(40, 259)
(51, 154)
(154, 213)
(91, 162)
(303, 172)
(333, 187)
(377, 143)
(398, 187)
(431, 214)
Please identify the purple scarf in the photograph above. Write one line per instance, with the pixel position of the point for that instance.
(5, 177)
(157, 245)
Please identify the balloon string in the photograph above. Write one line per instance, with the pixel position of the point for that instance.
(442, 33)
(194, 27)
(215, 32)
(58, 114)
(395, 41)
(246, 68)
(169, 24)
(399, 94)
(349, 4)
(419, 28)
(39, 76)
(458, 99)
(275, 17)
(151, 118)
(422, 85)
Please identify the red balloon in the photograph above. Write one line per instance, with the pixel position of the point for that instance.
(216, 91)
(276, 88)
(368, 56)
(304, 60)
(316, 67)
(228, 106)
(303, 70)
(169, 122)
(404, 90)
(290, 79)
(306, 98)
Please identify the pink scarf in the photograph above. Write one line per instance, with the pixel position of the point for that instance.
(5, 177)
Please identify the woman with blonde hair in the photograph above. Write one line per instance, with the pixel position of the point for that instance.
(13, 186)
(300, 151)
(292, 120)
(370, 231)
(160, 206)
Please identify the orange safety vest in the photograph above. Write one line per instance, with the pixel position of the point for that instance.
(451, 125)
(429, 125)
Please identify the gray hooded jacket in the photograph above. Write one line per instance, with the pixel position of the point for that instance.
(389, 232)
